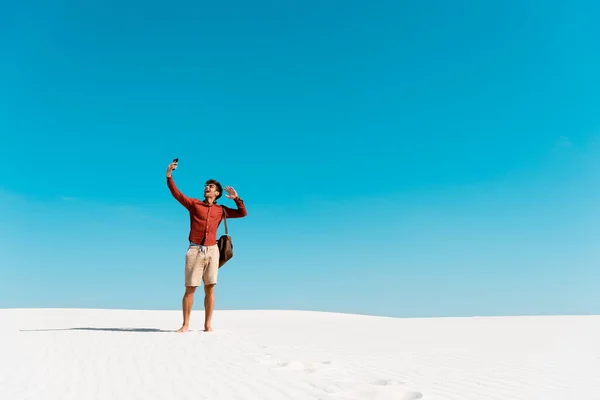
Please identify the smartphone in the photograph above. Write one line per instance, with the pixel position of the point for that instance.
(176, 160)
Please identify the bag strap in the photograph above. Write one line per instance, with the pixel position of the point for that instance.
(225, 220)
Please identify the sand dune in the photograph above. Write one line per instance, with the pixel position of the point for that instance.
(121, 354)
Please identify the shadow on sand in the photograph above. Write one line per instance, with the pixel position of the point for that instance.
(98, 329)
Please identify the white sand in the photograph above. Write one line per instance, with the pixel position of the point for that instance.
(261, 355)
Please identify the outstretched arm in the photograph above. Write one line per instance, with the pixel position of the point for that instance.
(241, 208)
(180, 197)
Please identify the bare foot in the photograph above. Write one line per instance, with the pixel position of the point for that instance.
(182, 329)
(208, 329)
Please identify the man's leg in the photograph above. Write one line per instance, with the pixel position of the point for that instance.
(193, 274)
(209, 305)
(211, 273)
(186, 305)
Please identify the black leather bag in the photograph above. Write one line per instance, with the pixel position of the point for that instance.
(225, 245)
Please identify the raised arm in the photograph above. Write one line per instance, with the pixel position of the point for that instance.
(241, 208)
(180, 197)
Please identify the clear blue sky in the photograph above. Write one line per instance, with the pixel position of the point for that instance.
(396, 158)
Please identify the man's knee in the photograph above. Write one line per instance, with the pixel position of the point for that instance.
(190, 290)
(209, 288)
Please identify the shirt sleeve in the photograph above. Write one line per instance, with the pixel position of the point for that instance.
(238, 212)
(180, 197)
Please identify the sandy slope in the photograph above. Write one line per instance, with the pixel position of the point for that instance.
(116, 354)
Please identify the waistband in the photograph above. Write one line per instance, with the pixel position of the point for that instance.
(203, 246)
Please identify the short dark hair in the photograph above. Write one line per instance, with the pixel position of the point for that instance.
(217, 184)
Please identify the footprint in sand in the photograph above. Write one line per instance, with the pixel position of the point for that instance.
(273, 363)
(394, 390)
(385, 382)
(333, 386)
(289, 366)
(266, 359)
(412, 396)
(307, 367)
(378, 389)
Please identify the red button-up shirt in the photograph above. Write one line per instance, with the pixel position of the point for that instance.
(205, 218)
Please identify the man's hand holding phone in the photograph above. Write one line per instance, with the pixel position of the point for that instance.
(172, 167)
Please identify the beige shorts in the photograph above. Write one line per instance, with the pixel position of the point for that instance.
(201, 264)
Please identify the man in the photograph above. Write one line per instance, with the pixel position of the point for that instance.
(202, 256)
